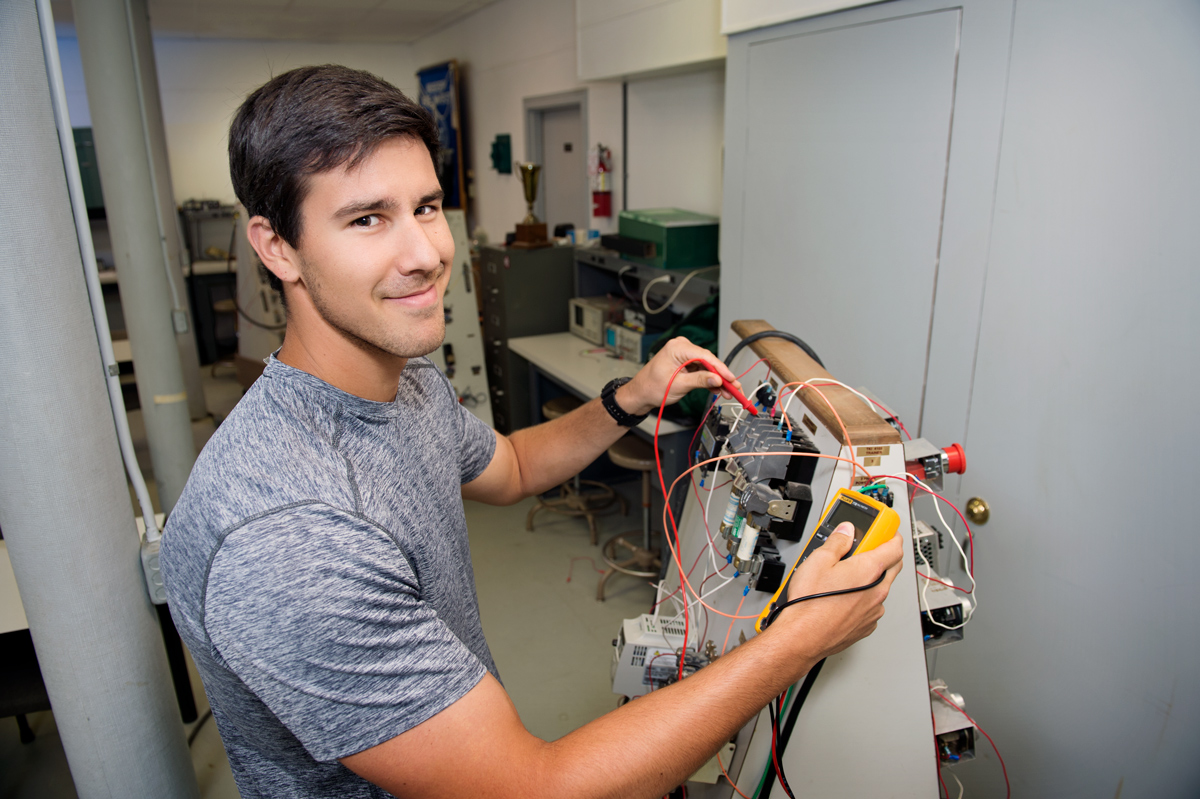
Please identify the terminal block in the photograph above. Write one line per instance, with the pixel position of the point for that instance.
(952, 730)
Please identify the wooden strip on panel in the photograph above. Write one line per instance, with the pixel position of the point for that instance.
(792, 364)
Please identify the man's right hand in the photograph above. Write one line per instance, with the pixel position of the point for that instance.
(828, 625)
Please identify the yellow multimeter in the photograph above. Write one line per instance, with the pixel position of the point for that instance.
(874, 524)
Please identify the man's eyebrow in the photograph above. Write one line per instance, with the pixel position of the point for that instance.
(362, 207)
(432, 197)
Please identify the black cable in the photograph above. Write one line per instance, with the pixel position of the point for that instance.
(255, 322)
(779, 608)
(196, 730)
(784, 735)
(777, 759)
(799, 342)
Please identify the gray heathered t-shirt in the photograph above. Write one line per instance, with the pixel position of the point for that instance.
(318, 569)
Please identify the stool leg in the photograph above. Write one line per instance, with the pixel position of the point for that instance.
(26, 732)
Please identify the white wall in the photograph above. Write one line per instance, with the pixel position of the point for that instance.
(626, 37)
(510, 50)
(676, 141)
(204, 81)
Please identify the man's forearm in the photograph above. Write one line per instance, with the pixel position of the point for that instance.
(685, 723)
(550, 453)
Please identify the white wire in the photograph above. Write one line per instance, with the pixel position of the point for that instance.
(712, 545)
(960, 785)
(87, 251)
(974, 603)
(678, 289)
(832, 382)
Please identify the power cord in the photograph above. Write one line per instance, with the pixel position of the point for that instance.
(678, 289)
(799, 342)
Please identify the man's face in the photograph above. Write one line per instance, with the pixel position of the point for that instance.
(375, 251)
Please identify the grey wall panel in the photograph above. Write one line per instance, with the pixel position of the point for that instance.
(845, 169)
(1082, 437)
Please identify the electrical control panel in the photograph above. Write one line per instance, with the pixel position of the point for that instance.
(756, 473)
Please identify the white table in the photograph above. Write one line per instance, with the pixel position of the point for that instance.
(583, 369)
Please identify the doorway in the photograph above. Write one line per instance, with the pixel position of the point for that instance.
(556, 138)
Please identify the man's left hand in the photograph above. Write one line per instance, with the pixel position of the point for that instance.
(644, 393)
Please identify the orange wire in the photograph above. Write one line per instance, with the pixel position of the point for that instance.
(726, 773)
(803, 384)
(667, 510)
(732, 622)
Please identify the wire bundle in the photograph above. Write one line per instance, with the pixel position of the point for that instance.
(689, 596)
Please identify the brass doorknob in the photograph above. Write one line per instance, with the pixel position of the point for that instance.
(977, 510)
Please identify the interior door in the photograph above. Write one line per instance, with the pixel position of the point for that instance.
(1081, 661)
(564, 170)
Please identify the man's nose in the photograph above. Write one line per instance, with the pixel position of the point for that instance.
(417, 249)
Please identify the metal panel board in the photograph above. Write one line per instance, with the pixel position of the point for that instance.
(844, 178)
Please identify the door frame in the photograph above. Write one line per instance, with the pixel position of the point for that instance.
(535, 109)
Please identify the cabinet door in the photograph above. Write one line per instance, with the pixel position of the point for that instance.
(1081, 661)
(860, 165)
(848, 130)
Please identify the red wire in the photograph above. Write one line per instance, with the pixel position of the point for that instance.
(756, 363)
(948, 585)
(669, 519)
(571, 567)
(1007, 787)
(940, 498)
(667, 500)
(894, 416)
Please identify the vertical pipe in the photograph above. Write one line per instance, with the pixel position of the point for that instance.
(168, 216)
(64, 504)
(107, 50)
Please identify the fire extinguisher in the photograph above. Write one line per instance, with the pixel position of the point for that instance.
(600, 168)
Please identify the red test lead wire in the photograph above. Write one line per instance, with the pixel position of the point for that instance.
(731, 388)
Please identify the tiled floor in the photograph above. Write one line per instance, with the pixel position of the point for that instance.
(551, 639)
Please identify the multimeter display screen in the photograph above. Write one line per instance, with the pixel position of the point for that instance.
(860, 516)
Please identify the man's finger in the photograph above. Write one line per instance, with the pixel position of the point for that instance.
(840, 542)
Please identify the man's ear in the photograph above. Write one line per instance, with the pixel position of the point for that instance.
(276, 254)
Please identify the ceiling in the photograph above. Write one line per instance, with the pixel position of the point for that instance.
(373, 21)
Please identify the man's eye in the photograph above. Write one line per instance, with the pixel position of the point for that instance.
(366, 221)
(426, 210)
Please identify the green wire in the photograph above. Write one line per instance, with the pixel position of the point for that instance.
(762, 781)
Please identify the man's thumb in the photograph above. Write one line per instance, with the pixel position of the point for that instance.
(841, 541)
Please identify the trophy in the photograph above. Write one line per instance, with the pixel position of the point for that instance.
(530, 232)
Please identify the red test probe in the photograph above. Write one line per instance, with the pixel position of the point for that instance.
(732, 389)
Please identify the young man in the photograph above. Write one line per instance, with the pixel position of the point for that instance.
(317, 562)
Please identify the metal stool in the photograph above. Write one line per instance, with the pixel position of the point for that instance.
(631, 452)
(576, 497)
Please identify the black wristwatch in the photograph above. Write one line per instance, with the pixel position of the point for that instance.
(608, 396)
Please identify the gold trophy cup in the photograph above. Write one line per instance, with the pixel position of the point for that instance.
(530, 232)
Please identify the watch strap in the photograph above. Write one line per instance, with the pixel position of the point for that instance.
(608, 396)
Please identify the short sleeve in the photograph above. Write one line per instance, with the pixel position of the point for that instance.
(320, 614)
(478, 446)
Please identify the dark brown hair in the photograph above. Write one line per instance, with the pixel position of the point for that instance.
(309, 120)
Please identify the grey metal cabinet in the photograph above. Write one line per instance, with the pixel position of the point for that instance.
(985, 213)
(525, 293)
